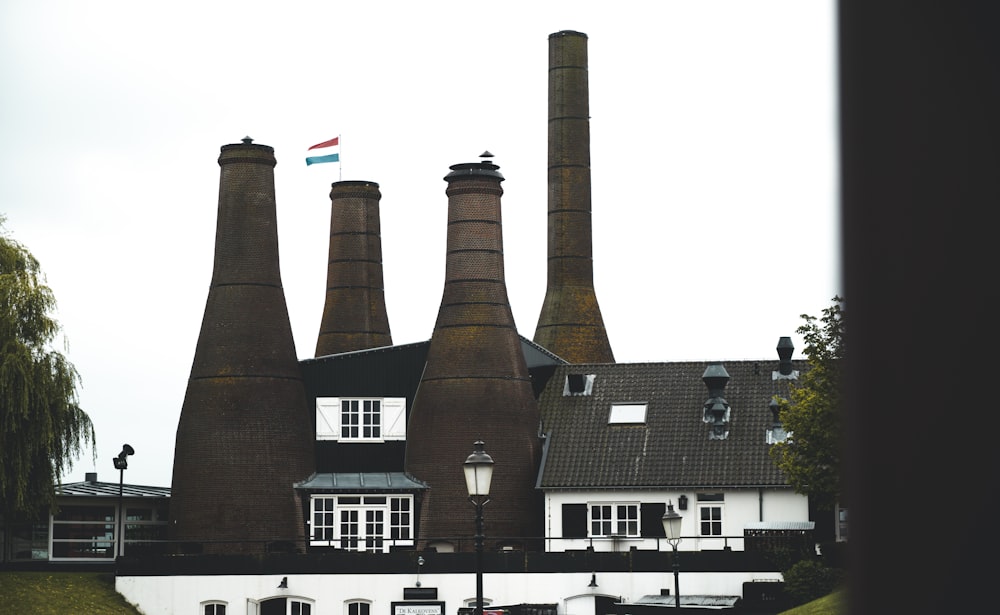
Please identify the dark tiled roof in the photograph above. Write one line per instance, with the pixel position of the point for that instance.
(672, 448)
(360, 481)
(98, 489)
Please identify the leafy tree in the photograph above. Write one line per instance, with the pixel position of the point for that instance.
(811, 457)
(42, 427)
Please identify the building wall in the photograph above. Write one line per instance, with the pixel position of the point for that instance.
(741, 506)
(180, 595)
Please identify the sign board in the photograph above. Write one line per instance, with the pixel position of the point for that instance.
(418, 608)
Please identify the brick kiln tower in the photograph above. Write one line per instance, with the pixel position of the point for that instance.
(475, 383)
(354, 315)
(245, 430)
(570, 324)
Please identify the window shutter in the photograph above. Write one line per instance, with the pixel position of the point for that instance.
(394, 418)
(327, 418)
(574, 520)
(651, 516)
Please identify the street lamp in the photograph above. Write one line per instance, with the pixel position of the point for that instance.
(478, 474)
(121, 464)
(672, 530)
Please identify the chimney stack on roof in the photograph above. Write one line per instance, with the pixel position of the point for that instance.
(354, 314)
(785, 371)
(245, 431)
(475, 384)
(570, 324)
(716, 410)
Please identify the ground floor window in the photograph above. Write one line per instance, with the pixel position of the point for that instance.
(614, 519)
(361, 522)
(84, 532)
(214, 607)
(280, 606)
(358, 607)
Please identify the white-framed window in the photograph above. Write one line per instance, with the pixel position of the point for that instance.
(288, 606)
(627, 414)
(299, 607)
(357, 607)
(361, 419)
(361, 522)
(213, 607)
(710, 516)
(614, 519)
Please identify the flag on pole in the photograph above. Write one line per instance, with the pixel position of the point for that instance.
(332, 157)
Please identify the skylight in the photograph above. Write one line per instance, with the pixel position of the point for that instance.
(627, 413)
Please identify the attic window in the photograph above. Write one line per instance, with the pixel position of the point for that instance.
(578, 384)
(627, 413)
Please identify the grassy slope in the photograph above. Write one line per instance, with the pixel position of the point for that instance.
(833, 604)
(59, 593)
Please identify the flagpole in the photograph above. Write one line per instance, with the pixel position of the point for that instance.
(340, 160)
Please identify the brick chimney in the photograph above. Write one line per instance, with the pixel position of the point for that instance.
(354, 315)
(570, 323)
(475, 384)
(245, 430)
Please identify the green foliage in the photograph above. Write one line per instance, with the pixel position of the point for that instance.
(42, 427)
(811, 458)
(810, 579)
(54, 593)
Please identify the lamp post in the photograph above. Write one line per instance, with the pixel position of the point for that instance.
(478, 474)
(121, 464)
(672, 530)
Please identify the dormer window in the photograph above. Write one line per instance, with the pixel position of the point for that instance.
(578, 384)
(360, 419)
(625, 414)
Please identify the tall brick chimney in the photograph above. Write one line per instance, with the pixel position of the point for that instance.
(245, 430)
(570, 324)
(354, 315)
(475, 384)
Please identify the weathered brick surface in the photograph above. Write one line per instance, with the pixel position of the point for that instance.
(570, 323)
(244, 435)
(475, 384)
(354, 314)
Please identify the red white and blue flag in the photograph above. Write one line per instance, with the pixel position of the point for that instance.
(327, 156)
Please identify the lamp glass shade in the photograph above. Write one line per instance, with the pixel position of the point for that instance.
(671, 525)
(478, 472)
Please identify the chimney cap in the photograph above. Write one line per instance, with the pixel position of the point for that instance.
(466, 170)
(785, 349)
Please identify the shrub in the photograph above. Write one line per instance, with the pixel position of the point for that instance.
(810, 579)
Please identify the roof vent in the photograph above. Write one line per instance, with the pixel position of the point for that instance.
(578, 384)
(91, 477)
(716, 411)
(785, 371)
(776, 432)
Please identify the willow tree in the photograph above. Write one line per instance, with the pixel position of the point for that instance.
(811, 458)
(42, 427)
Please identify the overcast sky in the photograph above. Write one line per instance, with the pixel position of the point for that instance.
(713, 155)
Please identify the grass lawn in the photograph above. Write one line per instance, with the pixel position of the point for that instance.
(832, 604)
(59, 593)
